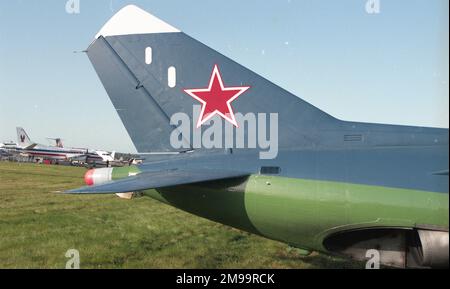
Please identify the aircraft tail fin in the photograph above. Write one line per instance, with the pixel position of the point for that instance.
(59, 142)
(148, 68)
(23, 140)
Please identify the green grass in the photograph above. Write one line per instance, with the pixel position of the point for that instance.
(38, 225)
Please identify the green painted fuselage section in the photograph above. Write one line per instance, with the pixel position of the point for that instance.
(304, 212)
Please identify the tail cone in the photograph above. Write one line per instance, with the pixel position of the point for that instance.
(88, 177)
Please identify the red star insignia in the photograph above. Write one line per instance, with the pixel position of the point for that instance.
(216, 98)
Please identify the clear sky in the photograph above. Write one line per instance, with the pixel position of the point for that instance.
(390, 67)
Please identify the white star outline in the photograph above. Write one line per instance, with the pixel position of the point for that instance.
(191, 92)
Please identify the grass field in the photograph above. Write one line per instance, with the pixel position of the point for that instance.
(38, 225)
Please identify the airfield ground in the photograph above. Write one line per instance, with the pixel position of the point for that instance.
(38, 225)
